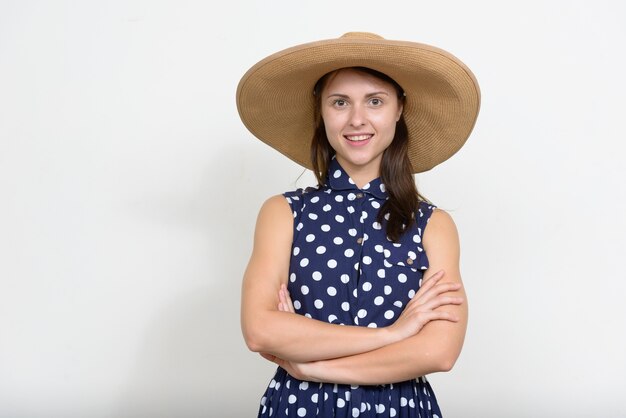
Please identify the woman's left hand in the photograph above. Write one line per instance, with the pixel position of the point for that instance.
(301, 371)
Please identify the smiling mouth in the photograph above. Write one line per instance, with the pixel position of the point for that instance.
(358, 138)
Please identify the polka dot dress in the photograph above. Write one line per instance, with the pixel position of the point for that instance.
(344, 270)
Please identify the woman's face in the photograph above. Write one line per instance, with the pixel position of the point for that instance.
(360, 113)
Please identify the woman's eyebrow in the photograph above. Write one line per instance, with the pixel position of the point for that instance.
(345, 96)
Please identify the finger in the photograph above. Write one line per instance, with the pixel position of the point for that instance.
(290, 307)
(283, 299)
(440, 301)
(438, 316)
(436, 290)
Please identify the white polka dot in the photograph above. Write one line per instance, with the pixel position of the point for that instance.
(381, 273)
(331, 291)
(367, 260)
(352, 232)
(403, 401)
(338, 240)
(411, 403)
(382, 188)
(363, 406)
(332, 318)
(392, 412)
(326, 207)
(411, 293)
(272, 384)
(339, 198)
(304, 262)
(387, 263)
(318, 303)
(398, 304)
(402, 278)
(340, 403)
(387, 290)
(303, 385)
(314, 398)
(317, 276)
(372, 325)
(339, 218)
(379, 300)
(337, 174)
(292, 399)
(377, 226)
(304, 289)
(297, 304)
(367, 286)
(299, 227)
(349, 252)
(351, 196)
(310, 238)
(313, 216)
(379, 408)
(345, 278)
(345, 306)
(301, 412)
(412, 255)
(296, 250)
(362, 313)
(389, 314)
(378, 248)
(416, 239)
(355, 412)
(355, 292)
(350, 209)
(375, 204)
(325, 228)
(387, 253)
(292, 277)
(320, 250)
(332, 263)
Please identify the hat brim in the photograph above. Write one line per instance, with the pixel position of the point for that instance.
(276, 103)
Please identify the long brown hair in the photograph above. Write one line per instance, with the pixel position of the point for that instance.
(395, 170)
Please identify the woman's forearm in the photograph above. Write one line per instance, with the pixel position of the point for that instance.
(435, 349)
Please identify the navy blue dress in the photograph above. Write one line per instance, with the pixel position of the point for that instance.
(344, 270)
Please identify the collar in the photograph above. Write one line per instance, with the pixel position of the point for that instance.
(338, 179)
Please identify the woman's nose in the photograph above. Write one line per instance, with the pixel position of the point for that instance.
(357, 116)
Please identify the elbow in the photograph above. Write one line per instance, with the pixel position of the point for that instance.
(446, 363)
(254, 336)
(252, 342)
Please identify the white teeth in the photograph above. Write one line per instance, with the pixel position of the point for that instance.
(356, 138)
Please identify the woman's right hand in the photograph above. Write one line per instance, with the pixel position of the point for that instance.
(422, 307)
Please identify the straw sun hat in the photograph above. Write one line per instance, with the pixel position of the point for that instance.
(276, 102)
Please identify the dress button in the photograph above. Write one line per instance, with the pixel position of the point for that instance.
(359, 240)
(359, 195)
(409, 261)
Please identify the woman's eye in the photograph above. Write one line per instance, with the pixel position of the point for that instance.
(339, 103)
(376, 102)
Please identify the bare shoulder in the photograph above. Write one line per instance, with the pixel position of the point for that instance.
(441, 231)
(275, 220)
(275, 207)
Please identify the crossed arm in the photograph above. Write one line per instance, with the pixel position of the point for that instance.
(427, 337)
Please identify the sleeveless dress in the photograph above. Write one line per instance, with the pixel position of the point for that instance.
(344, 270)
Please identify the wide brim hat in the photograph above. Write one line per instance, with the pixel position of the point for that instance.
(276, 103)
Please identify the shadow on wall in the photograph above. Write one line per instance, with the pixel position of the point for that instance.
(193, 361)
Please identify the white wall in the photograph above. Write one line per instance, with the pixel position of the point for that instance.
(129, 190)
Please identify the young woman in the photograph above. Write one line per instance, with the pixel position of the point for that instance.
(353, 288)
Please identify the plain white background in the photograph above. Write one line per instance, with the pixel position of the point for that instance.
(129, 190)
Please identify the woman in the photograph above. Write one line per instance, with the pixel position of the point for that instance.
(347, 289)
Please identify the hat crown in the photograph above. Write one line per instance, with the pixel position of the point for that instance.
(361, 35)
